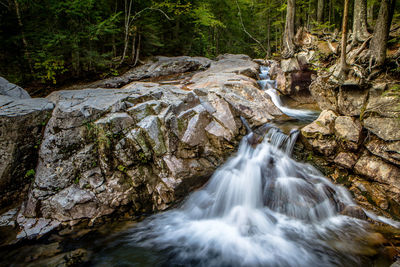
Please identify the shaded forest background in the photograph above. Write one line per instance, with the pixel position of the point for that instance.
(48, 42)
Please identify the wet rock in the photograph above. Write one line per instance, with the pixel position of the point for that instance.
(35, 227)
(355, 212)
(374, 192)
(71, 258)
(12, 90)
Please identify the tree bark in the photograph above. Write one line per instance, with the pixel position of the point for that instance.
(320, 10)
(24, 41)
(268, 31)
(343, 63)
(288, 36)
(127, 22)
(360, 28)
(370, 13)
(381, 32)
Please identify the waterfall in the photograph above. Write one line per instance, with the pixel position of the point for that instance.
(270, 87)
(261, 208)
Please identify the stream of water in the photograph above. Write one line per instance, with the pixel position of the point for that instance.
(261, 208)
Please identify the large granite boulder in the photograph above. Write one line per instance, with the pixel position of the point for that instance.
(141, 148)
(22, 121)
(12, 90)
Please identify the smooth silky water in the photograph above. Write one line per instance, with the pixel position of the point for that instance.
(261, 208)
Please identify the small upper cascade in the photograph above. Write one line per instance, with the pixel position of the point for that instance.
(269, 86)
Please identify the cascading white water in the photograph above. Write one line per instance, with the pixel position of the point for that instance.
(269, 86)
(261, 208)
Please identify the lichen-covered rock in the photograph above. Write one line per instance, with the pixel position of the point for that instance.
(348, 130)
(347, 160)
(324, 93)
(142, 147)
(351, 100)
(389, 151)
(382, 112)
(21, 124)
(386, 128)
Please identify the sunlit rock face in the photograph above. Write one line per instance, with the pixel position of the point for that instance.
(143, 147)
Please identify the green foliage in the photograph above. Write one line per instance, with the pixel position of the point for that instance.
(49, 69)
(30, 173)
(86, 38)
(122, 168)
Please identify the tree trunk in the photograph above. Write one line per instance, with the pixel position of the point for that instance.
(320, 11)
(268, 30)
(360, 31)
(288, 35)
(127, 22)
(343, 63)
(24, 41)
(133, 52)
(381, 32)
(137, 54)
(370, 14)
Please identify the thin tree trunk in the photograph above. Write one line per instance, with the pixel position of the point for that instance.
(114, 46)
(308, 15)
(244, 29)
(343, 63)
(268, 30)
(24, 41)
(133, 53)
(288, 35)
(381, 32)
(360, 31)
(320, 11)
(137, 49)
(127, 16)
